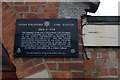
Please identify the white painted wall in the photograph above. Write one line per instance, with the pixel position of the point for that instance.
(100, 35)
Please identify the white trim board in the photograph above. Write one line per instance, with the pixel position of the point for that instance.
(100, 35)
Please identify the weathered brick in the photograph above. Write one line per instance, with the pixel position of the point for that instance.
(34, 3)
(4, 4)
(80, 58)
(19, 70)
(113, 72)
(69, 66)
(94, 54)
(77, 75)
(6, 14)
(34, 8)
(34, 15)
(8, 20)
(90, 77)
(11, 57)
(11, 3)
(68, 59)
(118, 54)
(51, 15)
(24, 60)
(52, 66)
(17, 62)
(6, 41)
(21, 75)
(50, 8)
(88, 63)
(19, 3)
(99, 62)
(8, 75)
(40, 67)
(21, 8)
(4, 7)
(10, 26)
(27, 65)
(8, 34)
(10, 47)
(54, 59)
(31, 71)
(105, 55)
(37, 61)
(103, 72)
(64, 75)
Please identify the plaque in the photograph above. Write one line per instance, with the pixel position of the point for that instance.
(46, 38)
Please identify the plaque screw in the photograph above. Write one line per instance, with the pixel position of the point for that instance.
(18, 50)
(72, 50)
(47, 23)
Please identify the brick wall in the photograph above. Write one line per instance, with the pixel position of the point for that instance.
(97, 66)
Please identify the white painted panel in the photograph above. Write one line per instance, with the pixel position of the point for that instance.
(100, 35)
(42, 74)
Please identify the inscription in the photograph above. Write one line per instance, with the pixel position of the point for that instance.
(46, 38)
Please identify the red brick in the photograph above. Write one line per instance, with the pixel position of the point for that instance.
(6, 14)
(90, 77)
(5, 7)
(40, 67)
(11, 56)
(6, 41)
(24, 60)
(10, 47)
(8, 75)
(21, 8)
(103, 72)
(100, 63)
(11, 3)
(50, 8)
(118, 55)
(37, 61)
(19, 3)
(10, 26)
(64, 75)
(17, 60)
(27, 65)
(34, 3)
(4, 4)
(34, 8)
(52, 66)
(34, 15)
(11, 53)
(19, 70)
(8, 34)
(50, 15)
(21, 75)
(88, 63)
(8, 20)
(77, 75)
(67, 59)
(12, 38)
(80, 58)
(31, 71)
(105, 55)
(54, 59)
(113, 72)
(70, 66)
(94, 54)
